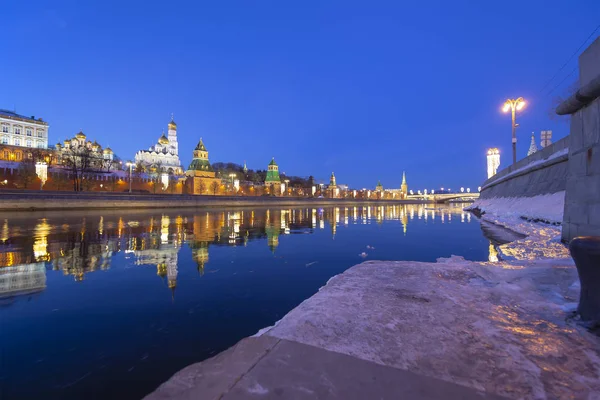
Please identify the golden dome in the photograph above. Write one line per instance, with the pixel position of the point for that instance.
(67, 141)
(163, 139)
(108, 150)
(172, 124)
(80, 135)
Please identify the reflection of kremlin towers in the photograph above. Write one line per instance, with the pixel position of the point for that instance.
(273, 222)
(160, 248)
(88, 246)
(22, 279)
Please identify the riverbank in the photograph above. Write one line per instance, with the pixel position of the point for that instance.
(39, 200)
(450, 329)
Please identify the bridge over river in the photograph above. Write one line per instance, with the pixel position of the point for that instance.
(445, 198)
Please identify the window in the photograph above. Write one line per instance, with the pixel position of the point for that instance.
(5, 154)
(29, 144)
(17, 156)
(4, 139)
(40, 133)
(28, 132)
(17, 142)
(17, 130)
(29, 155)
(4, 128)
(40, 145)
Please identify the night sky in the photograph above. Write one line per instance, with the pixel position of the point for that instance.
(363, 88)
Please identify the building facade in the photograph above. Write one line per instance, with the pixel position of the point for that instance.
(273, 178)
(493, 162)
(80, 146)
(18, 130)
(332, 189)
(164, 155)
(200, 176)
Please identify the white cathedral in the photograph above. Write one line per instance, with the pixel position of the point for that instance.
(164, 154)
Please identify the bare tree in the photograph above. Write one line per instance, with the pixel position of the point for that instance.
(214, 186)
(26, 173)
(202, 187)
(78, 161)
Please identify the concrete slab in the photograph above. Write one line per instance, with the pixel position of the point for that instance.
(498, 329)
(212, 378)
(297, 371)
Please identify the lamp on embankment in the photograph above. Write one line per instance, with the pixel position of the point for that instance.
(514, 105)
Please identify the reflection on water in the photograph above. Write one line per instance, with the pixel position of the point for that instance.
(86, 245)
(98, 297)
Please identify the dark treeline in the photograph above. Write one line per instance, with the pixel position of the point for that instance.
(224, 169)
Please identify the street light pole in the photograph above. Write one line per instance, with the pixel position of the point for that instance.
(130, 165)
(514, 105)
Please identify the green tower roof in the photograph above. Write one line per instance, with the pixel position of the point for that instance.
(200, 146)
(273, 162)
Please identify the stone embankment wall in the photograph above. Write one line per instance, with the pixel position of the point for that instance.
(32, 200)
(582, 200)
(543, 172)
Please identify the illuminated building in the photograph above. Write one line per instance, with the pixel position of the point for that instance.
(403, 186)
(333, 189)
(493, 161)
(18, 130)
(80, 146)
(164, 154)
(200, 174)
(546, 138)
(272, 179)
(379, 187)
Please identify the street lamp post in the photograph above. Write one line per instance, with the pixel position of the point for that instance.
(514, 105)
(130, 165)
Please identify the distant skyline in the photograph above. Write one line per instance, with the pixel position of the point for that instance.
(367, 90)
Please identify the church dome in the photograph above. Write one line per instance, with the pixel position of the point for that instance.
(67, 141)
(163, 139)
(108, 150)
(172, 124)
(80, 135)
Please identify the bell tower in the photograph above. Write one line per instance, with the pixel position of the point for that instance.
(173, 136)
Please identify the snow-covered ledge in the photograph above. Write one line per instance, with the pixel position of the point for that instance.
(537, 217)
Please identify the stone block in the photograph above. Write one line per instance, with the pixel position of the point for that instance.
(577, 164)
(298, 371)
(576, 135)
(593, 167)
(212, 378)
(578, 214)
(594, 213)
(591, 123)
(589, 63)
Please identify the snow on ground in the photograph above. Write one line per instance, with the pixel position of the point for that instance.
(518, 214)
(501, 328)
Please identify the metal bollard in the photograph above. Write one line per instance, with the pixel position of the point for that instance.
(585, 250)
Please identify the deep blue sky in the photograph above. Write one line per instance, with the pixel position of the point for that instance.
(365, 89)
